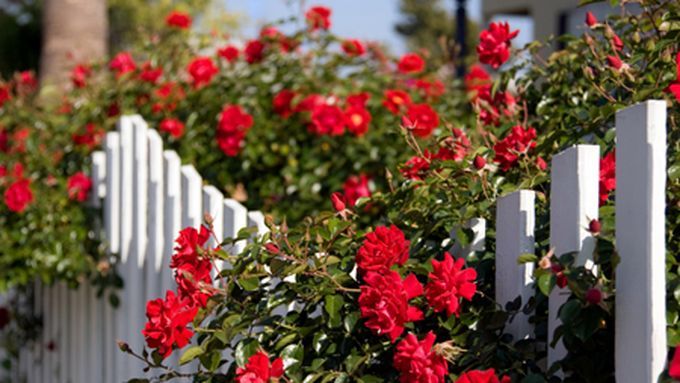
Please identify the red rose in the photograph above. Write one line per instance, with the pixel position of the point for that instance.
(318, 18)
(591, 20)
(150, 73)
(479, 162)
(617, 42)
(494, 44)
(477, 79)
(254, 51)
(79, 75)
(449, 283)
(417, 362)
(229, 53)
(310, 103)
(384, 302)
(5, 94)
(594, 296)
(18, 195)
(479, 376)
(338, 201)
(416, 167)
(353, 47)
(411, 63)
(27, 80)
(430, 89)
(518, 142)
(357, 119)
(172, 126)
(282, 103)
(178, 19)
(396, 100)
(358, 99)
(607, 176)
(188, 242)
(456, 147)
(328, 120)
(122, 63)
(492, 108)
(356, 187)
(79, 186)
(233, 125)
(614, 62)
(594, 226)
(192, 270)
(201, 70)
(383, 248)
(91, 137)
(167, 323)
(259, 370)
(674, 365)
(540, 163)
(425, 119)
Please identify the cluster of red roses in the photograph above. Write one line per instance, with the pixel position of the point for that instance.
(385, 299)
(168, 318)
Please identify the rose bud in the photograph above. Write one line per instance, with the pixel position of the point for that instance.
(479, 162)
(594, 296)
(338, 201)
(594, 226)
(591, 20)
(271, 248)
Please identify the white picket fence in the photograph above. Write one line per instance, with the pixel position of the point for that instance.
(148, 197)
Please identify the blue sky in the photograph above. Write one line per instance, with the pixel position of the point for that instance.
(363, 19)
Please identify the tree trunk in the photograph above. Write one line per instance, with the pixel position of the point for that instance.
(74, 31)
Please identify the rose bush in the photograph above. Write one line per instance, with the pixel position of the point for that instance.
(376, 292)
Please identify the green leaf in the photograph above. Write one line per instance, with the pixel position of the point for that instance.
(293, 356)
(244, 349)
(190, 354)
(527, 258)
(545, 283)
(249, 283)
(570, 311)
(333, 305)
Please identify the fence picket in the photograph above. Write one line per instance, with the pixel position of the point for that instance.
(640, 238)
(213, 205)
(573, 203)
(155, 244)
(235, 219)
(515, 223)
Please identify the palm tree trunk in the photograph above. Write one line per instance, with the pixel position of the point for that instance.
(74, 31)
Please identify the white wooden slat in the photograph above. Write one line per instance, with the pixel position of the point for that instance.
(110, 348)
(95, 345)
(235, 219)
(37, 362)
(515, 221)
(172, 212)
(213, 205)
(640, 240)
(256, 219)
(62, 325)
(573, 203)
(112, 198)
(154, 258)
(477, 243)
(98, 178)
(82, 354)
(123, 319)
(134, 281)
(47, 335)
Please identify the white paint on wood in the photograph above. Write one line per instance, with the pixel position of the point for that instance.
(154, 256)
(213, 205)
(112, 198)
(192, 213)
(640, 240)
(573, 203)
(172, 213)
(515, 221)
(235, 219)
(256, 219)
(98, 178)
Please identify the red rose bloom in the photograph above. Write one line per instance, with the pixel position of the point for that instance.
(411, 63)
(192, 270)
(674, 87)
(5, 94)
(430, 89)
(607, 176)
(172, 126)
(18, 195)
(477, 79)
(614, 62)
(188, 243)
(233, 125)
(518, 142)
(259, 370)
(328, 120)
(424, 119)
(318, 18)
(254, 51)
(357, 119)
(449, 283)
(282, 103)
(382, 248)
(674, 365)
(356, 187)
(310, 103)
(27, 80)
(201, 70)
(416, 167)
(479, 376)
(396, 100)
(492, 108)
(79, 75)
(229, 53)
(178, 19)
(91, 137)
(79, 186)
(122, 63)
(494, 44)
(358, 99)
(150, 73)
(417, 362)
(456, 147)
(479, 162)
(167, 323)
(353, 47)
(384, 302)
